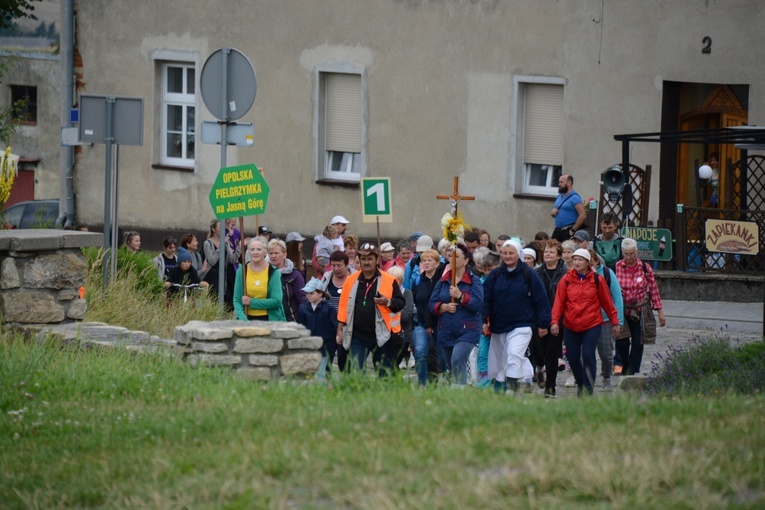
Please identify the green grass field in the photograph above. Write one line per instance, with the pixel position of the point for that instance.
(109, 429)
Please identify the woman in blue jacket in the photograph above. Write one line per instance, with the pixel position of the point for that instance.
(515, 301)
(458, 310)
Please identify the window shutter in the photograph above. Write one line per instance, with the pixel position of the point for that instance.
(343, 112)
(543, 130)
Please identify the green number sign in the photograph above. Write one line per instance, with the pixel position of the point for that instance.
(375, 200)
(239, 191)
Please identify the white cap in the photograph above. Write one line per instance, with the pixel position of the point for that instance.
(424, 243)
(339, 219)
(530, 251)
(387, 247)
(581, 252)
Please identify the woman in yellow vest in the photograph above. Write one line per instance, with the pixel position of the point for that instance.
(260, 298)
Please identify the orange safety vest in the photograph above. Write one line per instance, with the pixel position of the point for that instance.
(384, 287)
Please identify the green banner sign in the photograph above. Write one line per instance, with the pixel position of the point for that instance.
(653, 243)
(239, 191)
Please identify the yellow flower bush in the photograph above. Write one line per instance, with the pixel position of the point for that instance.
(7, 176)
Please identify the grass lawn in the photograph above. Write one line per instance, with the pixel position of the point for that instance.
(107, 429)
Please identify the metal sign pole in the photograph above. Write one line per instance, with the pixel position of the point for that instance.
(223, 137)
(114, 202)
(109, 140)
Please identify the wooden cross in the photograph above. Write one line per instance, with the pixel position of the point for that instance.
(455, 199)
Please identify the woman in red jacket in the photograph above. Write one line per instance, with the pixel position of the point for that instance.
(581, 294)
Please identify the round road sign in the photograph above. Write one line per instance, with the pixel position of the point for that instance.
(228, 84)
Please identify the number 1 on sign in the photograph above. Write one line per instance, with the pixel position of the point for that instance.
(379, 190)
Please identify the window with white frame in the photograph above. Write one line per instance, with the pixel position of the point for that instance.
(340, 125)
(542, 126)
(178, 114)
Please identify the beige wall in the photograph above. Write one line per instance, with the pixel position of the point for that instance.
(440, 96)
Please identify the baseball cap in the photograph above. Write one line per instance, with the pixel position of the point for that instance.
(424, 243)
(294, 236)
(313, 284)
(264, 230)
(369, 249)
(581, 252)
(387, 247)
(339, 219)
(581, 235)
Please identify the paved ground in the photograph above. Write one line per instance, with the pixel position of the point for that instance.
(688, 321)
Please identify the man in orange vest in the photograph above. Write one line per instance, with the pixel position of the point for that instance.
(369, 312)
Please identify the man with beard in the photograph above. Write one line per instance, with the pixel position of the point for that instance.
(569, 210)
(369, 318)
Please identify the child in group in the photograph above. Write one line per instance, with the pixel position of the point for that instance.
(182, 274)
(319, 316)
(326, 243)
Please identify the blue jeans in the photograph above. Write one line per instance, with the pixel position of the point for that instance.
(420, 344)
(580, 350)
(381, 356)
(457, 360)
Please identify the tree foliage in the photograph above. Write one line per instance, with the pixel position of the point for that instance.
(14, 9)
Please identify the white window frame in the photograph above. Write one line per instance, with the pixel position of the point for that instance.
(520, 169)
(352, 165)
(186, 100)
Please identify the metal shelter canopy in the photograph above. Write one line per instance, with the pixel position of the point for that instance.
(744, 137)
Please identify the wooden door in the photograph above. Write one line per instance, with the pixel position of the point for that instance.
(720, 109)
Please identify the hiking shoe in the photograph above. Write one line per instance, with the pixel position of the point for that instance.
(570, 383)
(541, 379)
(607, 386)
(550, 393)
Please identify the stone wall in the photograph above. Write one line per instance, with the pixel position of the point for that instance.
(259, 350)
(41, 272)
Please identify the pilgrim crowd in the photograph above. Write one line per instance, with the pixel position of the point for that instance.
(521, 310)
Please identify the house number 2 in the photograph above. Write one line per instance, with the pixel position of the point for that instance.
(707, 45)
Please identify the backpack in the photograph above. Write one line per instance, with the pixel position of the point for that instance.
(315, 261)
(609, 251)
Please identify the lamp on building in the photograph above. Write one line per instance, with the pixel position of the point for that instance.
(703, 174)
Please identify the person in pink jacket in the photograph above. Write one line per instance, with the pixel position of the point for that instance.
(581, 294)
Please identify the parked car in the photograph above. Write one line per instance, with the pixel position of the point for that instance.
(33, 214)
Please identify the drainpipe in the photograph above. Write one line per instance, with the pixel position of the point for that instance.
(67, 102)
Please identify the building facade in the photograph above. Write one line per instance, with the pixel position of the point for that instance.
(36, 77)
(505, 94)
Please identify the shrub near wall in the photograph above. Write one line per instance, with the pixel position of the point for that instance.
(259, 350)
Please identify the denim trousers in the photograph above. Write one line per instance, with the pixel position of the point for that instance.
(421, 344)
(456, 361)
(580, 351)
(381, 356)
